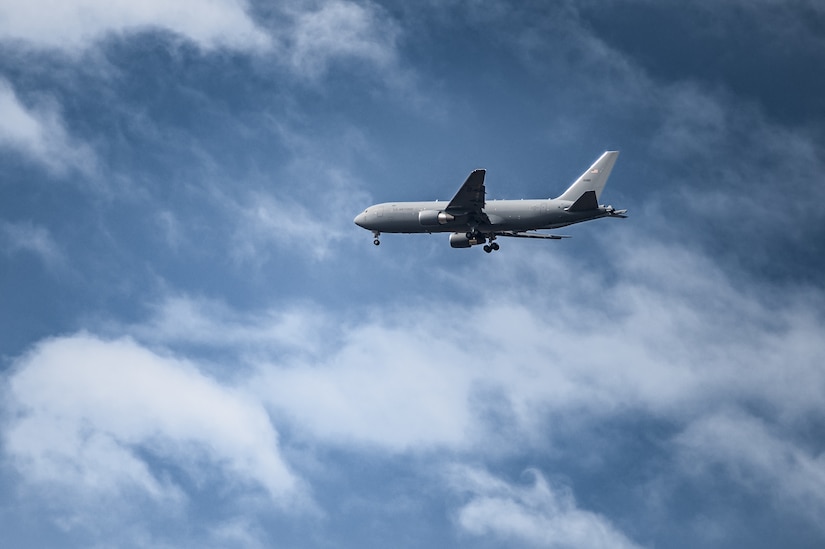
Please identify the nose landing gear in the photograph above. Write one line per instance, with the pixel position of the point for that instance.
(376, 241)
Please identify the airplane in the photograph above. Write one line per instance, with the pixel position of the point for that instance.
(472, 220)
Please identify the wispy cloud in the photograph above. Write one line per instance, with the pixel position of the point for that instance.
(185, 320)
(540, 515)
(39, 134)
(77, 25)
(306, 37)
(306, 209)
(337, 30)
(760, 458)
(269, 223)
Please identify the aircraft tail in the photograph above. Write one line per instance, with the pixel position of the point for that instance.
(593, 179)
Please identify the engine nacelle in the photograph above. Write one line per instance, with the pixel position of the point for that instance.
(460, 240)
(430, 218)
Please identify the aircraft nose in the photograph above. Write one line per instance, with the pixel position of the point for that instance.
(360, 219)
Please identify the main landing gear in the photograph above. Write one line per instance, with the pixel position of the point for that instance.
(479, 237)
(491, 246)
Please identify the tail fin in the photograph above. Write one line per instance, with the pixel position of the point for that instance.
(593, 179)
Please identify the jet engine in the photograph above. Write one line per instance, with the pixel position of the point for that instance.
(430, 218)
(460, 240)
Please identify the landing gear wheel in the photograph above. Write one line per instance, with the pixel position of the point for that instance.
(494, 246)
(487, 248)
(376, 242)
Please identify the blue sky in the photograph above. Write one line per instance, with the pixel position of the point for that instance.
(200, 349)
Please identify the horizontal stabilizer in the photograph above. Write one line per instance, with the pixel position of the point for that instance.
(515, 234)
(585, 202)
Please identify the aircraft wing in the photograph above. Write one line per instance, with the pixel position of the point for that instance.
(515, 234)
(470, 197)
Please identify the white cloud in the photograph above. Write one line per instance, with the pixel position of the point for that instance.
(85, 413)
(306, 37)
(77, 24)
(381, 387)
(370, 384)
(40, 134)
(338, 30)
(539, 515)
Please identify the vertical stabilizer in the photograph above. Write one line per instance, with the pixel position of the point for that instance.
(593, 179)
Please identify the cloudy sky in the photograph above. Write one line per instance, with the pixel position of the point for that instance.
(198, 348)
